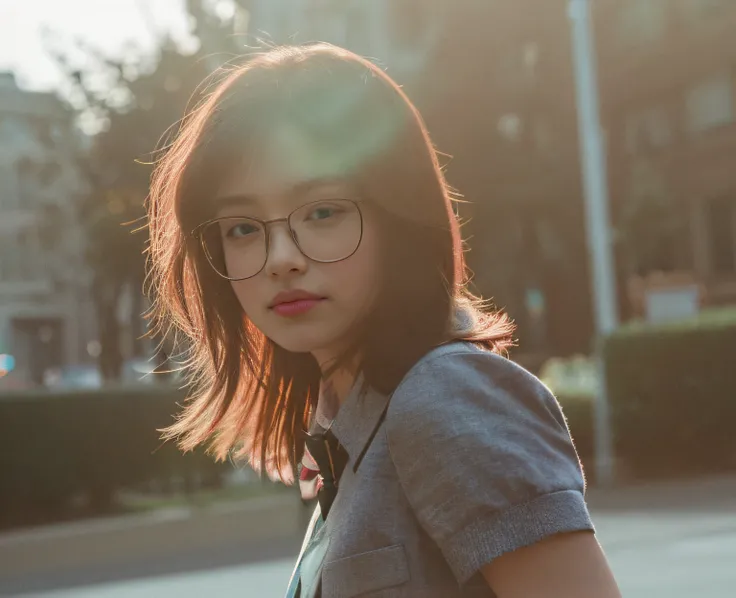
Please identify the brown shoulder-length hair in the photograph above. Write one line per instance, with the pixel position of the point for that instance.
(249, 396)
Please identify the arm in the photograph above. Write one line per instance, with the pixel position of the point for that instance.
(565, 566)
(506, 490)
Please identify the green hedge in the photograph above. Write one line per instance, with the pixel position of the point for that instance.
(85, 446)
(672, 390)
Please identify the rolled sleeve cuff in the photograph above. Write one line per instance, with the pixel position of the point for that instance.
(521, 525)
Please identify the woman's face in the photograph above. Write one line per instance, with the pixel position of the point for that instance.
(298, 301)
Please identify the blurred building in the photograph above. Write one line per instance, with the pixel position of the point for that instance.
(668, 88)
(43, 307)
(668, 106)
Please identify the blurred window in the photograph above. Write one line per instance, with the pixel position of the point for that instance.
(721, 215)
(642, 21)
(710, 104)
(647, 129)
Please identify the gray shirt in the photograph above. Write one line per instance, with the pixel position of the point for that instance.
(472, 460)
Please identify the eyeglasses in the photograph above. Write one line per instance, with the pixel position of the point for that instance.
(325, 231)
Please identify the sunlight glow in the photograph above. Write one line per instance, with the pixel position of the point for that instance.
(29, 30)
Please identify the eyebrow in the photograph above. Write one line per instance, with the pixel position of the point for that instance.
(301, 188)
(308, 185)
(235, 201)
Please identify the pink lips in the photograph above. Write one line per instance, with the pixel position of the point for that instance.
(294, 303)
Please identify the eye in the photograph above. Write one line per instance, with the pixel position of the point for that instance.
(241, 230)
(324, 212)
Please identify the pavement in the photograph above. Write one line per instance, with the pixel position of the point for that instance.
(673, 540)
(263, 580)
(672, 554)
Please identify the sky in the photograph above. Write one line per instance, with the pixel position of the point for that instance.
(108, 25)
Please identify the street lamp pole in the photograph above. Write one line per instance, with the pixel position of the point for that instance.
(595, 184)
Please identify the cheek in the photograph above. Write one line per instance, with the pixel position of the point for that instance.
(360, 275)
(247, 292)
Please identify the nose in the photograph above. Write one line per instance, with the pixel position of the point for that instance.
(284, 257)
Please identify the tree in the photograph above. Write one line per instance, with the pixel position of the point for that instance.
(134, 103)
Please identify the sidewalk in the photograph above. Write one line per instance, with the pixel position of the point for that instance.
(264, 580)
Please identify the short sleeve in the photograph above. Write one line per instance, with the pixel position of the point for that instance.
(484, 456)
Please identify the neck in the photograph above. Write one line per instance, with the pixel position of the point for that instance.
(336, 387)
(337, 382)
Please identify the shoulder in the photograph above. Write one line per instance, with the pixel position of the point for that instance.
(459, 378)
(483, 454)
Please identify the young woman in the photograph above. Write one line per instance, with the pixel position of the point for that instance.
(304, 241)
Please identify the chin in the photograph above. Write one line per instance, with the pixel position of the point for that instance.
(299, 342)
(295, 346)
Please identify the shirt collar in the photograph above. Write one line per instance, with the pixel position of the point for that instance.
(358, 418)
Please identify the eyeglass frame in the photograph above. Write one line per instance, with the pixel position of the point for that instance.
(196, 233)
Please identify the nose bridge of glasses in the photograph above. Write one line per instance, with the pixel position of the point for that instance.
(280, 240)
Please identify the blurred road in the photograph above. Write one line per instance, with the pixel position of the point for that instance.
(673, 555)
(658, 561)
(659, 543)
(264, 580)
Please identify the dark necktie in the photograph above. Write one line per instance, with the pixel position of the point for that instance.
(331, 458)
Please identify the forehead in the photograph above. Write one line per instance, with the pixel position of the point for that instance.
(286, 157)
